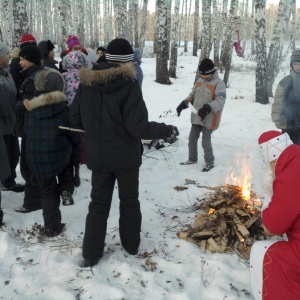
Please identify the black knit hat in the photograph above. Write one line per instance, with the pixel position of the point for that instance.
(45, 47)
(206, 67)
(32, 54)
(119, 50)
(101, 49)
(49, 80)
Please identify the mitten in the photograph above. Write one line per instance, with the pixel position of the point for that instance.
(204, 111)
(76, 175)
(183, 105)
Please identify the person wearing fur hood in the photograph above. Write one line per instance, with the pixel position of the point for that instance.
(51, 151)
(109, 106)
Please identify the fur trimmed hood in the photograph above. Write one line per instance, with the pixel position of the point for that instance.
(45, 100)
(107, 73)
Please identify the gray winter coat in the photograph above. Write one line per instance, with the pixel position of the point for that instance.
(212, 92)
(8, 94)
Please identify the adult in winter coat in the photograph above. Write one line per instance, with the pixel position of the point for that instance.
(208, 98)
(47, 50)
(137, 65)
(275, 265)
(50, 151)
(286, 106)
(109, 106)
(30, 61)
(14, 67)
(8, 94)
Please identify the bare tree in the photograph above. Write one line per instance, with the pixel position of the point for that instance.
(174, 47)
(20, 20)
(228, 47)
(163, 16)
(261, 94)
(206, 37)
(7, 14)
(196, 27)
(107, 15)
(252, 30)
(187, 26)
(144, 26)
(275, 50)
(81, 21)
(216, 35)
(120, 11)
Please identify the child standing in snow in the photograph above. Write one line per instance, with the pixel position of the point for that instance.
(51, 152)
(73, 62)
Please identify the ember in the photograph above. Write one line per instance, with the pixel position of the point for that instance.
(228, 222)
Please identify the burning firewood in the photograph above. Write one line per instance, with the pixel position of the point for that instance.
(227, 222)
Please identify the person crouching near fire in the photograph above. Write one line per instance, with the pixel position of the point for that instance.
(51, 152)
(275, 265)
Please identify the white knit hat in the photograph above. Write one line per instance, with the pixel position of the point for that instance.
(272, 143)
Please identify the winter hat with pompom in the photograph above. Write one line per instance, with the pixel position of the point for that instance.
(207, 67)
(72, 41)
(119, 50)
(49, 80)
(272, 143)
(27, 39)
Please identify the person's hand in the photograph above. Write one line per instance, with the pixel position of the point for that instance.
(277, 124)
(204, 111)
(175, 131)
(181, 106)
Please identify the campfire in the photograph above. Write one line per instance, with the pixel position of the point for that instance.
(231, 219)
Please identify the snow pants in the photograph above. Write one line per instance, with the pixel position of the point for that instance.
(206, 144)
(103, 183)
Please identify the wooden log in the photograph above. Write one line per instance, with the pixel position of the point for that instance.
(241, 212)
(249, 222)
(182, 235)
(201, 234)
(240, 237)
(217, 203)
(202, 245)
(214, 245)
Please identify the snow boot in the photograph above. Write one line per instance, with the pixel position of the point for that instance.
(67, 198)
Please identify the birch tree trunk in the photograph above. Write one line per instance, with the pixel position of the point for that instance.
(81, 22)
(252, 30)
(120, 11)
(107, 12)
(245, 25)
(20, 21)
(163, 14)
(187, 28)
(231, 25)
(261, 94)
(144, 26)
(180, 23)
(45, 17)
(136, 26)
(63, 19)
(224, 27)
(174, 39)
(8, 15)
(206, 36)
(196, 27)
(275, 50)
(216, 35)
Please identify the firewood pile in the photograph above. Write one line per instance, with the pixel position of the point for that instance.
(228, 222)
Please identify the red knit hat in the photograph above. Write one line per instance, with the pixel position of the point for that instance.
(272, 143)
(27, 39)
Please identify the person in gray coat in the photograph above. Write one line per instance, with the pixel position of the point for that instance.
(8, 94)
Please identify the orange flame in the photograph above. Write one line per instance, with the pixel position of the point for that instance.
(211, 211)
(244, 181)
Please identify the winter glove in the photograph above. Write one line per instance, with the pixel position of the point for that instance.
(173, 136)
(76, 175)
(157, 144)
(204, 111)
(183, 105)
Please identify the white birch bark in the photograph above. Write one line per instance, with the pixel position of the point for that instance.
(20, 21)
(120, 12)
(7, 14)
(163, 14)
(144, 26)
(196, 27)
(216, 34)
(206, 29)
(187, 26)
(275, 50)
(261, 94)
(174, 39)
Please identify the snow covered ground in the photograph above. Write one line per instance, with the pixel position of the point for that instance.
(165, 267)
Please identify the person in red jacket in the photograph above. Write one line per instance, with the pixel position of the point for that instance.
(275, 265)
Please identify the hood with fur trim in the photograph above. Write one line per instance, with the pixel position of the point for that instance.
(108, 74)
(46, 105)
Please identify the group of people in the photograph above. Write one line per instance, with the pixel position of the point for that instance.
(37, 103)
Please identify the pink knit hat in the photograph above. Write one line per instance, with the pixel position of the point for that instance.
(272, 143)
(72, 41)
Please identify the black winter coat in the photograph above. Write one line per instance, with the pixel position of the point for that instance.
(109, 106)
(48, 148)
(26, 91)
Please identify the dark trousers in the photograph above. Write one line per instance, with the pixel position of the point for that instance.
(294, 134)
(66, 179)
(130, 215)
(32, 198)
(50, 196)
(13, 152)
